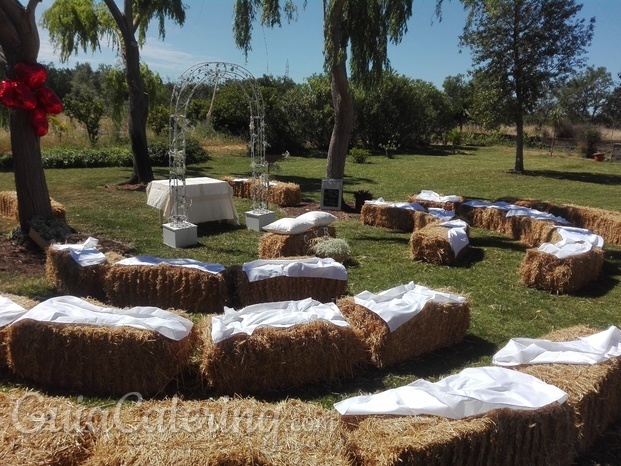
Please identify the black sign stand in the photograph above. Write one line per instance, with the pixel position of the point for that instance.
(331, 194)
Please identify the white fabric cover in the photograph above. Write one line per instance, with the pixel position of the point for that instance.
(311, 267)
(289, 226)
(427, 195)
(563, 251)
(516, 210)
(72, 310)
(579, 235)
(457, 234)
(398, 305)
(399, 205)
(471, 392)
(444, 215)
(189, 263)
(281, 314)
(318, 218)
(9, 311)
(593, 349)
(85, 253)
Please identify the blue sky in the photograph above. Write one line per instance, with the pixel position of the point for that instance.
(429, 50)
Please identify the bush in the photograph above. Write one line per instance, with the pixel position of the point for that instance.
(6, 161)
(194, 153)
(588, 141)
(359, 155)
(87, 158)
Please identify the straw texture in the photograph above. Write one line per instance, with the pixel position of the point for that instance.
(436, 326)
(395, 218)
(431, 244)
(547, 272)
(274, 359)
(9, 207)
(275, 246)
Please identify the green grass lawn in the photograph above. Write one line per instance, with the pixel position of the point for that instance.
(501, 307)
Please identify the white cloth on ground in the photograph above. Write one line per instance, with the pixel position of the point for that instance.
(428, 195)
(281, 314)
(85, 253)
(579, 235)
(593, 349)
(73, 310)
(471, 392)
(398, 305)
(9, 311)
(312, 267)
(190, 263)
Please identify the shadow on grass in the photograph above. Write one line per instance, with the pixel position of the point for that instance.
(499, 242)
(392, 238)
(584, 177)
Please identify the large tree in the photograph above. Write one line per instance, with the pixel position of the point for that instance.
(80, 24)
(362, 28)
(586, 93)
(524, 47)
(19, 43)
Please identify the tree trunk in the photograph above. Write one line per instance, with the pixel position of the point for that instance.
(519, 144)
(138, 113)
(19, 41)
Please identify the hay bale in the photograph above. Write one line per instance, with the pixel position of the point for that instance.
(9, 207)
(501, 436)
(42, 430)
(69, 277)
(431, 244)
(436, 326)
(593, 390)
(275, 359)
(547, 272)
(605, 223)
(483, 217)
(240, 186)
(530, 231)
(275, 246)
(283, 288)
(285, 194)
(446, 205)
(395, 218)
(96, 359)
(239, 431)
(166, 287)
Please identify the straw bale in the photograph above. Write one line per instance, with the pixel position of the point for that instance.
(547, 272)
(436, 326)
(9, 207)
(482, 217)
(24, 302)
(593, 390)
(499, 437)
(431, 244)
(605, 223)
(448, 205)
(275, 246)
(42, 430)
(96, 359)
(395, 218)
(530, 231)
(165, 286)
(222, 431)
(284, 288)
(274, 359)
(71, 278)
(285, 194)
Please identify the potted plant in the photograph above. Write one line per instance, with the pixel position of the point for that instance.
(360, 196)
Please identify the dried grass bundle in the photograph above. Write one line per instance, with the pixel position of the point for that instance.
(530, 231)
(275, 246)
(282, 288)
(96, 359)
(71, 278)
(448, 205)
(593, 390)
(285, 194)
(438, 325)
(9, 207)
(395, 218)
(483, 217)
(431, 244)
(274, 359)
(501, 436)
(232, 432)
(547, 272)
(605, 223)
(240, 187)
(42, 430)
(166, 286)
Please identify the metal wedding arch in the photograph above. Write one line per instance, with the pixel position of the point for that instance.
(214, 73)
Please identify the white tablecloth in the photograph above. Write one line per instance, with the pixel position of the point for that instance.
(208, 199)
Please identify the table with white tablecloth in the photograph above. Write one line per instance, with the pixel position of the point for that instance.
(207, 200)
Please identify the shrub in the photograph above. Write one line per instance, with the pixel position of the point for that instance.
(359, 155)
(87, 158)
(194, 153)
(588, 141)
(336, 248)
